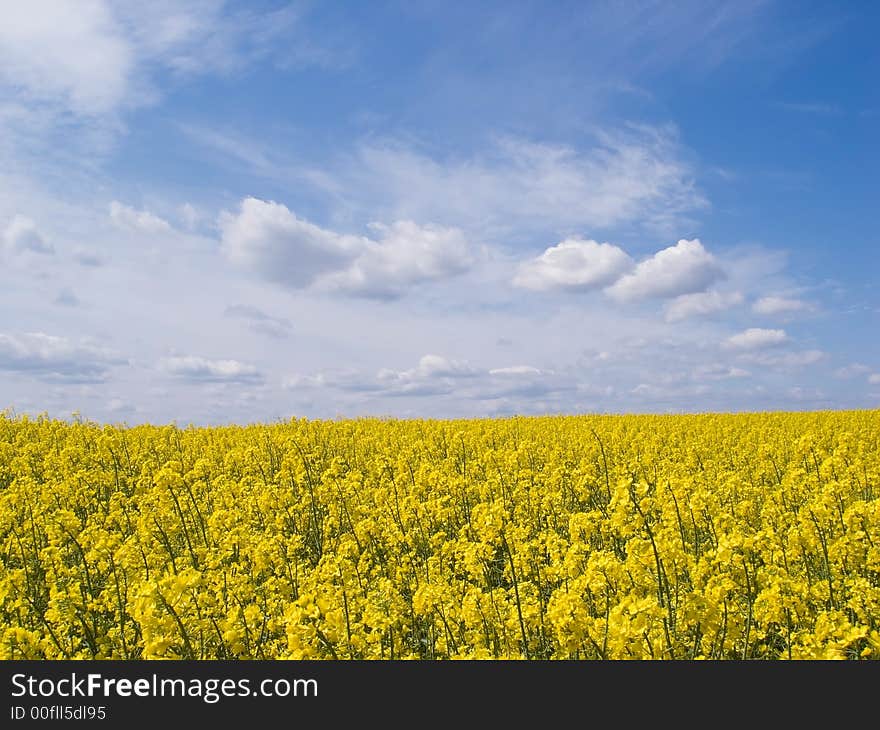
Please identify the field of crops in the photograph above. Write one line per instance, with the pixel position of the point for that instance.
(711, 536)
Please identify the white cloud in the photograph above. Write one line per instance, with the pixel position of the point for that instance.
(515, 370)
(435, 375)
(439, 376)
(120, 406)
(521, 191)
(785, 360)
(53, 358)
(430, 366)
(779, 305)
(574, 264)
(128, 218)
(189, 215)
(685, 268)
(216, 36)
(405, 254)
(22, 235)
(701, 303)
(853, 370)
(874, 379)
(200, 369)
(68, 53)
(346, 379)
(299, 381)
(799, 393)
(756, 338)
(266, 237)
(719, 372)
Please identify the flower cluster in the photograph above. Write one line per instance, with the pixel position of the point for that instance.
(614, 537)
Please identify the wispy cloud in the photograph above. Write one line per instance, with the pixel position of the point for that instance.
(75, 72)
(780, 305)
(630, 176)
(635, 175)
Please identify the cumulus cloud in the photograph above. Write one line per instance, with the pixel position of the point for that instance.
(429, 367)
(22, 235)
(258, 321)
(55, 359)
(685, 268)
(756, 338)
(405, 254)
(874, 379)
(131, 219)
(779, 305)
(701, 304)
(575, 265)
(434, 375)
(200, 369)
(269, 239)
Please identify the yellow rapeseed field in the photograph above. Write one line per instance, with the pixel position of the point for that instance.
(616, 537)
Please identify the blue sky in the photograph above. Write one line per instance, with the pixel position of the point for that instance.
(221, 212)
